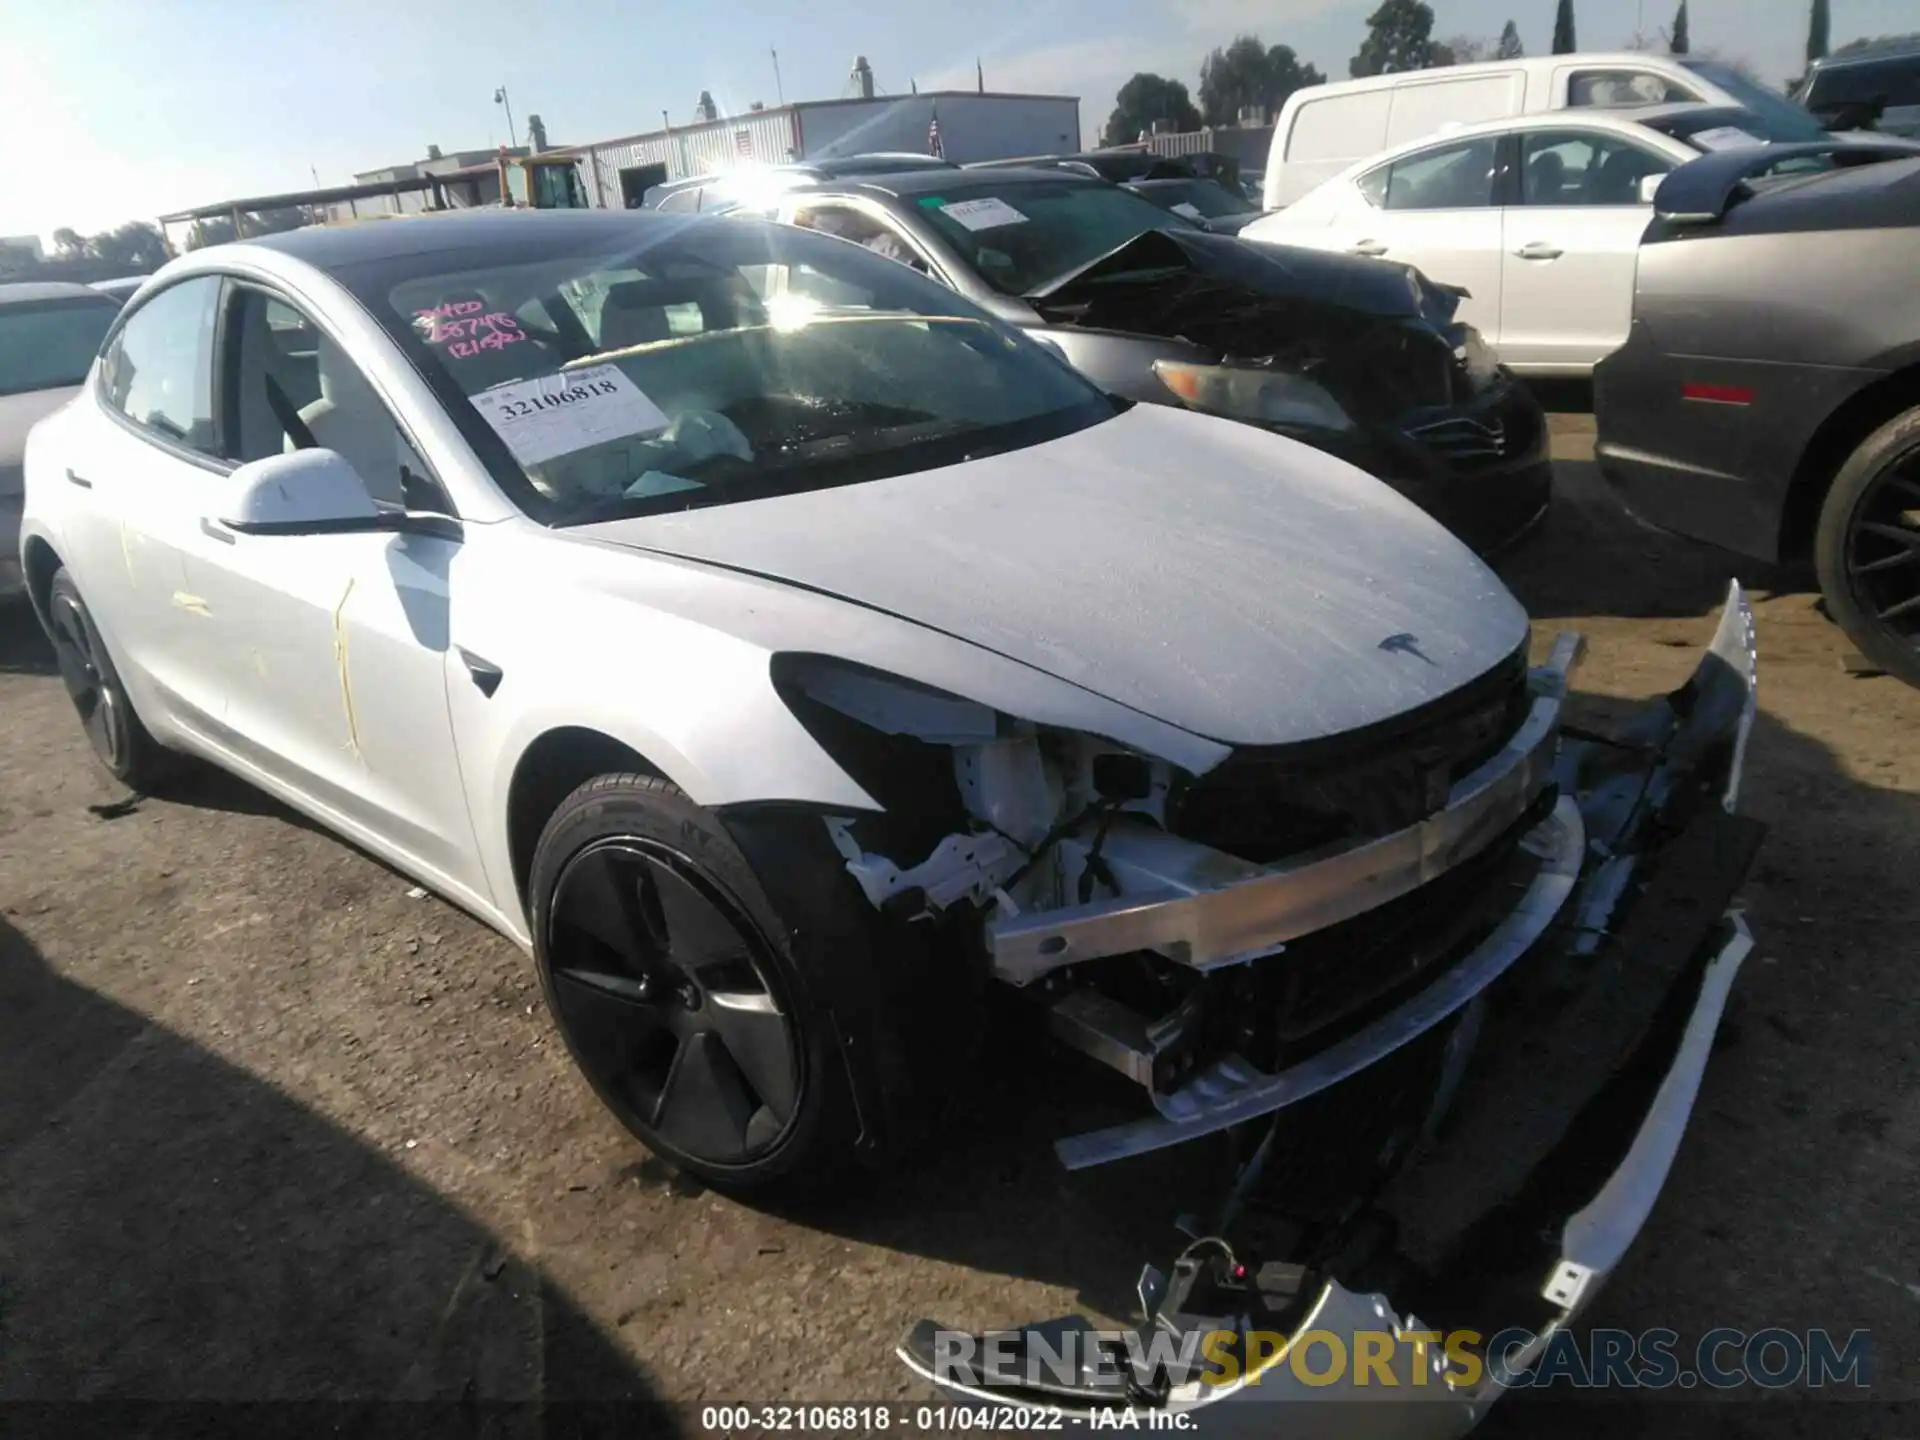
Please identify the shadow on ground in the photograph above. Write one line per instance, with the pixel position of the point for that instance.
(174, 1231)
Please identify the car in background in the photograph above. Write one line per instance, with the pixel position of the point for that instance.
(1537, 218)
(748, 184)
(1127, 165)
(1364, 360)
(49, 334)
(1874, 87)
(1768, 399)
(1326, 128)
(1207, 203)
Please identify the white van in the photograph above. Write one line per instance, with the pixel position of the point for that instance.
(1325, 128)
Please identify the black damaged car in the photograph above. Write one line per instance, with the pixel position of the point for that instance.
(1361, 358)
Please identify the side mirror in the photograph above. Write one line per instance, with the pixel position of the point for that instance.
(1650, 187)
(307, 492)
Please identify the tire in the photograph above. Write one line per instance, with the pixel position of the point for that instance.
(681, 996)
(118, 738)
(1867, 547)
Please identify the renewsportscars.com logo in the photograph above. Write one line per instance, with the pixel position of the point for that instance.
(1721, 1359)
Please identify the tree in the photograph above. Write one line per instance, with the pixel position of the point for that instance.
(135, 247)
(1819, 30)
(1245, 75)
(1147, 98)
(1463, 50)
(1510, 47)
(68, 242)
(1677, 37)
(1399, 38)
(1563, 40)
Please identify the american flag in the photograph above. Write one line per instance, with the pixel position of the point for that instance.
(934, 148)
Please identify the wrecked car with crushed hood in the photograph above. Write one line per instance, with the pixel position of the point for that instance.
(816, 675)
(1364, 359)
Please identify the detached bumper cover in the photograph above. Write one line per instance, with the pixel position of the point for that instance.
(1642, 857)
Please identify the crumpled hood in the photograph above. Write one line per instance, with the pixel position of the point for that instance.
(1235, 584)
(1181, 275)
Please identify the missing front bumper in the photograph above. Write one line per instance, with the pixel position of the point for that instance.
(1630, 946)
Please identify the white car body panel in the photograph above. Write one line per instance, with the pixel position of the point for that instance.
(1544, 313)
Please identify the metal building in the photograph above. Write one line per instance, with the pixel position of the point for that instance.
(974, 125)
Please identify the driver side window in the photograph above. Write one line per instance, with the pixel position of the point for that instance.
(291, 386)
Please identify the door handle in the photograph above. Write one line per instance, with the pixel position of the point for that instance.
(217, 532)
(1372, 249)
(80, 480)
(1539, 250)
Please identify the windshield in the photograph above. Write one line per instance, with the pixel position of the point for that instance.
(714, 363)
(1019, 237)
(1202, 199)
(1775, 111)
(49, 344)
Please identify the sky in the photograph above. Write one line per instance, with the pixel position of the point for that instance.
(129, 109)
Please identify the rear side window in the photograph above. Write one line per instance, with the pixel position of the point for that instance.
(1423, 109)
(1889, 82)
(1447, 177)
(158, 371)
(1340, 127)
(1611, 89)
(681, 201)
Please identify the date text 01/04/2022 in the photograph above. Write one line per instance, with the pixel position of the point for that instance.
(880, 1418)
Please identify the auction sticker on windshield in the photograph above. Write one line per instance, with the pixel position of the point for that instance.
(552, 415)
(988, 214)
(1726, 137)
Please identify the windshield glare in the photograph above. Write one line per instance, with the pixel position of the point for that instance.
(50, 345)
(1019, 237)
(719, 362)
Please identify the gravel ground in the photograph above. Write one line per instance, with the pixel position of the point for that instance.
(272, 1128)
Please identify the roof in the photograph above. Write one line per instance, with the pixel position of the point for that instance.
(1898, 47)
(28, 292)
(331, 247)
(295, 198)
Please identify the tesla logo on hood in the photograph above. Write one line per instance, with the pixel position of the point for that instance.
(1404, 644)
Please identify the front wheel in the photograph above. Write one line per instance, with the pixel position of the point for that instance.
(658, 955)
(1867, 547)
(118, 738)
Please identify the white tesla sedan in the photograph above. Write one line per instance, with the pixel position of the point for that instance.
(792, 656)
(1537, 217)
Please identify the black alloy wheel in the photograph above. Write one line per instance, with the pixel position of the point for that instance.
(1867, 549)
(106, 714)
(77, 651)
(670, 1002)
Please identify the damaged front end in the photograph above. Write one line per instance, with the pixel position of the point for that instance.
(1449, 986)
(1365, 359)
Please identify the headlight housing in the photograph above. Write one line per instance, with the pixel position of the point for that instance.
(1268, 397)
(1477, 361)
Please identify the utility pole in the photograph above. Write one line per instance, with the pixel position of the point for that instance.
(778, 93)
(500, 98)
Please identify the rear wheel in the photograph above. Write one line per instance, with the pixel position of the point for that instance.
(106, 714)
(1867, 547)
(693, 1024)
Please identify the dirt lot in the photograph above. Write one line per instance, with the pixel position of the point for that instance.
(272, 1129)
